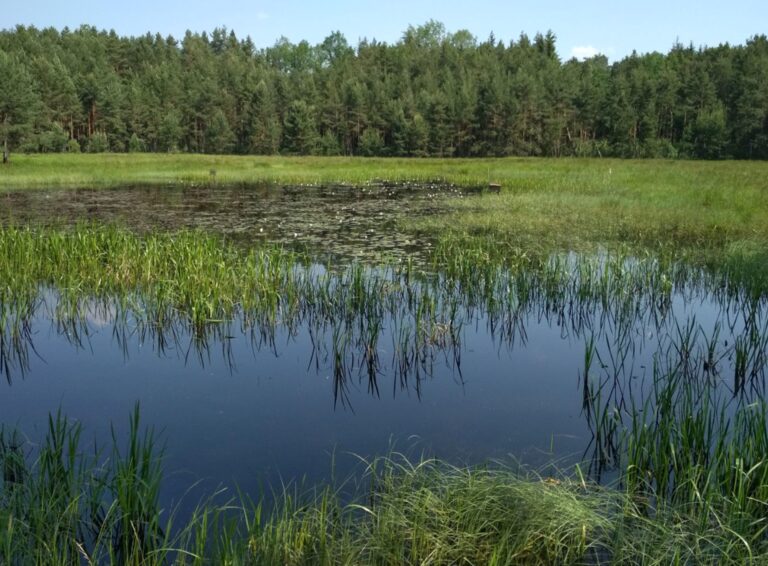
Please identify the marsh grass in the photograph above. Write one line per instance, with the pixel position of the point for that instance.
(689, 443)
(62, 505)
(191, 283)
(691, 439)
(545, 205)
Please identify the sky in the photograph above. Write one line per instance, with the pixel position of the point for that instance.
(583, 27)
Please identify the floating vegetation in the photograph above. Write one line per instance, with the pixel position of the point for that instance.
(335, 221)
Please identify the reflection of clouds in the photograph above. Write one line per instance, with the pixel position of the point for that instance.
(100, 315)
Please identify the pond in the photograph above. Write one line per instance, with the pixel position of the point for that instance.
(519, 368)
(337, 222)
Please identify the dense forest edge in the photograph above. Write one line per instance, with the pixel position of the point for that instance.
(432, 93)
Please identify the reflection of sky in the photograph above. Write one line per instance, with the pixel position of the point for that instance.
(240, 412)
(99, 316)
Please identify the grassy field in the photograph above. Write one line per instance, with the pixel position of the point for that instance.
(544, 203)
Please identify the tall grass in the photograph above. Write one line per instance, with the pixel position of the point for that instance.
(692, 438)
(171, 284)
(688, 441)
(62, 505)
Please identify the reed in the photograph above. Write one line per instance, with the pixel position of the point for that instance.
(170, 283)
(691, 440)
(688, 441)
(62, 505)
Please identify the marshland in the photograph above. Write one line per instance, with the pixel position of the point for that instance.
(439, 301)
(388, 370)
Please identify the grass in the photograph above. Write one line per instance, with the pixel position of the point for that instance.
(182, 283)
(200, 283)
(692, 466)
(693, 431)
(544, 205)
(70, 507)
(64, 504)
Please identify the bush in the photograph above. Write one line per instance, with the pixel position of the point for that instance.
(54, 140)
(73, 146)
(371, 143)
(659, 148)
(329, 144)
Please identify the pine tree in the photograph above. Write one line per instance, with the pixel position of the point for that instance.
(431, 93)
(219, 137)
(170, 132)
(300, 133)
(19, 102)
(265, 129)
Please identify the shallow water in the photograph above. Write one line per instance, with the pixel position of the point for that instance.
(251, 406)
(337, 222)
(243, 407)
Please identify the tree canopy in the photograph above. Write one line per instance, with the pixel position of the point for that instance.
(432, 93)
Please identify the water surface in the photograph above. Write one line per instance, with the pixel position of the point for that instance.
(241, 404)
(339, 222)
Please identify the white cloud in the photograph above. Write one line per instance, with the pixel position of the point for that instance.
(584, 52)
(261, 16)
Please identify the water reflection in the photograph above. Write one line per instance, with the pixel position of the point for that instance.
(549, 365)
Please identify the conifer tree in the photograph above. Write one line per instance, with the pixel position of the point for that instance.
(19, 102)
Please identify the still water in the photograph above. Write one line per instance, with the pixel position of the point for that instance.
(241, 408)
(335, 222)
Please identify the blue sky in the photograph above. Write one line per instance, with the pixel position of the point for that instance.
(583, 27)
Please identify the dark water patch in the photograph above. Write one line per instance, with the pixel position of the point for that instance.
(338, 222)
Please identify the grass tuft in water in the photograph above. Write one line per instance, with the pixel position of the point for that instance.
(64, 504)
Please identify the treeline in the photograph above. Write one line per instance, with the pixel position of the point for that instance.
(432, 93)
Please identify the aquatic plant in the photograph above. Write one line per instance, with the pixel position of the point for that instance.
(63, 505)
(171, 284)
(686, 439)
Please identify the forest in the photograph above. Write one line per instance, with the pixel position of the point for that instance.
(432, 93)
